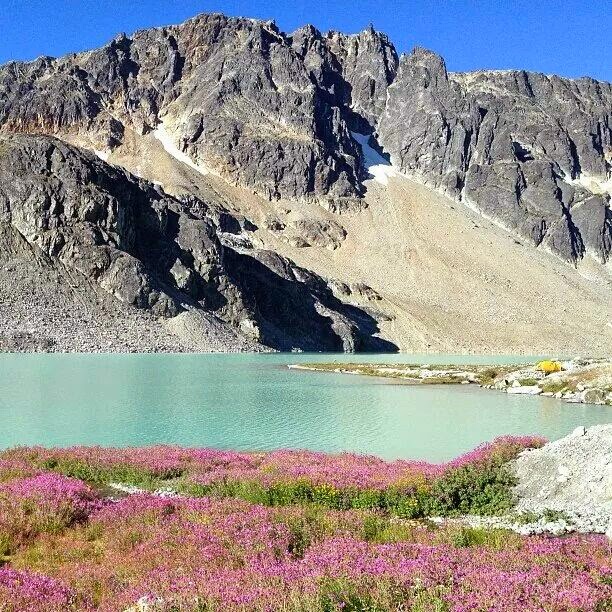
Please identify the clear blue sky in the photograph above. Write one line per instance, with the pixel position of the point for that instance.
(567, 37)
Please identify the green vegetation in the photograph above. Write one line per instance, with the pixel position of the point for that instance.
(443, 380)
(483, 489)
(494, 539)
(488, 375)
(550, 376)
(333, 535)
(554, 515)
(437, 374)
(476, 483)
(528, 382)
(550, 516)
(341, 594)
(403, 503)
(105, 474)
(554, 386)
(472, 489)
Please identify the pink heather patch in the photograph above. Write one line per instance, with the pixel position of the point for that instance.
(41, 504)
(27, 592)
(237, 556)
(504, 447)
(228, 554)
(346, 470)
(53, 491)
(207, 466)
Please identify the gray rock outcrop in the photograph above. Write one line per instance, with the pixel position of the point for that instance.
(531, 152)
(163, 255)
(274, 112)
(234, 94)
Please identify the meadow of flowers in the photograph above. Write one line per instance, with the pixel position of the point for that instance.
(292, 531)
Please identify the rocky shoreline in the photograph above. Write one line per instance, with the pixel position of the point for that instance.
(587, 381)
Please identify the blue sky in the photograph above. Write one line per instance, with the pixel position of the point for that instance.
(567, 37)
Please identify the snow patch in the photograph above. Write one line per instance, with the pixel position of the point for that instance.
(376, 165)
(593, 184)
(103, 155)
(240, 241)
(166, 140)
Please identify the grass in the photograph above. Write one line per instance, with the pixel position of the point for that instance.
(554, 386)
(443, 380)
(104, 475)
(493, 539)
(441, 374)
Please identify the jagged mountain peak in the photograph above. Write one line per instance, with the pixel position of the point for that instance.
(225, 87)
(235, 108)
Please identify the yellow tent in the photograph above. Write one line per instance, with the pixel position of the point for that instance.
(548, 366)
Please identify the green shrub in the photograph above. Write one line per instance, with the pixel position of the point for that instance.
(409, 505)
(548, 515)
(373, 527)
(551, 516)
(367, 500)
(488, 376)
(524, 518)
(484, 489)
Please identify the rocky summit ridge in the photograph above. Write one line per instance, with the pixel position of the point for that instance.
(219, 111)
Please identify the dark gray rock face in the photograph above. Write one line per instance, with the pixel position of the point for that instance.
(162, 254)
(513, 145)
(239, 98)
(274, 112)
(247, 99)
(113, 229)
(353, 70)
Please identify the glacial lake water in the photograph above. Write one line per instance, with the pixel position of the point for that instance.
(252, 402)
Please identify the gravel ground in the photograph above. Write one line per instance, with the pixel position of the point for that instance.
(572, 475)
(46, 308)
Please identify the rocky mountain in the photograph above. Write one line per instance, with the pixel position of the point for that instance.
(163, 254)
(185, 172)
(532, 152)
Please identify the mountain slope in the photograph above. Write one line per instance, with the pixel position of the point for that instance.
(455, 282)
(65, 209)
(261, 225)
(532, 152)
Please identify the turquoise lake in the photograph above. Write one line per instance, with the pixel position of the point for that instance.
(252, 402)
